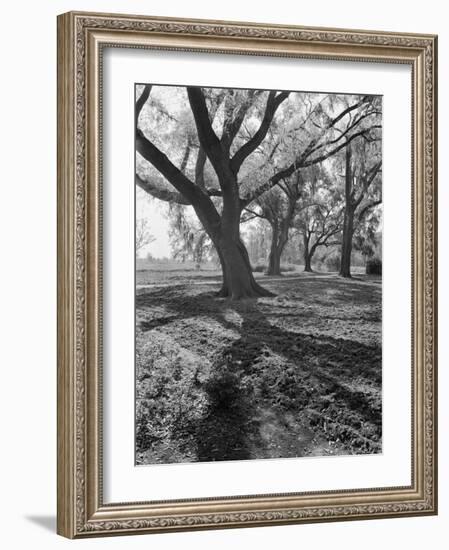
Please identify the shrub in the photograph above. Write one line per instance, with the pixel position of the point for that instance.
(260, 268)
(144, 437)
(287, 267)
(374, 266)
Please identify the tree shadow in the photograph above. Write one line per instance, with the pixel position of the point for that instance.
(322, 370)
(256, 331)
(227, 430)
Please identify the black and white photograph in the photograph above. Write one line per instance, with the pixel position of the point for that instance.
(221, 318)
(258, 274)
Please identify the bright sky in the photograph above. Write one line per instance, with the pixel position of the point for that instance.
(155, 211)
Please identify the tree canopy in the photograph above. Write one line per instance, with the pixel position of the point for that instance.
(230, 153)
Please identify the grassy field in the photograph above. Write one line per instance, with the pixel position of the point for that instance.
(172, 272)
(295, 375)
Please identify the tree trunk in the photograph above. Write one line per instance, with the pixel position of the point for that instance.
(224, 290)
(274, 257)
(307, 256)
(279, 239)
(346, 245)
(238, 279)
(348, 222)
(274, 262)
(307, 263)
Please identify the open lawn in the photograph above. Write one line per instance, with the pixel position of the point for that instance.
(167, 273)
(295, 375)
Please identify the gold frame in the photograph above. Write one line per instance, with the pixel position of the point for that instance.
(81, 37)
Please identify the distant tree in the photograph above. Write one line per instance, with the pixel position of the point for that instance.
(362, 192)
(320, 213)
(367, 235)
(295, 193)
(319, 225)
(143, 235)
(278, 207)
(258, 240)
(188, 239)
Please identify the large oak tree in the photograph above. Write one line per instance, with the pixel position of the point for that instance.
(221, 144)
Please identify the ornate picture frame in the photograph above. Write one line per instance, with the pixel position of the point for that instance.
(82, 38)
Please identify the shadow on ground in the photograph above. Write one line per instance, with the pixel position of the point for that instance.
(280, 377)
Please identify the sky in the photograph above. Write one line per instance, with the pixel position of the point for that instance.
(156, 212)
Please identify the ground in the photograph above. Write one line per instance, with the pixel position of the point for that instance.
(295, 375)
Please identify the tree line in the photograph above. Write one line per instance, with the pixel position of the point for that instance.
(297, 161)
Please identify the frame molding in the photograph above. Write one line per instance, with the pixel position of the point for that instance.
(81, 37)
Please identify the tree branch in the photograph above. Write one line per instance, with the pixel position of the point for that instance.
(185, 158)
(214, 192)
(208, 138)
(351, 127)
(255, 214)
(273, 102)
(319, 159)
(365, 209)
(140, 102)
(232, 126)
(199, 168)
(333, 122)
(367, 181)
(161, 162)
(160, 193)
(301, 162)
